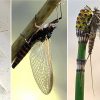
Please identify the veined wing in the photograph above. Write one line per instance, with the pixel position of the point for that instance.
(40, 60)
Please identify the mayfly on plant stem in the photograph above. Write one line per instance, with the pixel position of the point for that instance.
(40, 56)
(89, 21)
(87, 25)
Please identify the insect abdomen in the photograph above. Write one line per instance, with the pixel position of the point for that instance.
(24, 50)
(91, 42)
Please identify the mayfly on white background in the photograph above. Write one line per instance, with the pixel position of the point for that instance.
(40, 57)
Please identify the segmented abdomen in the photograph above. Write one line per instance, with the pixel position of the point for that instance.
(24, 50)
(91, 42)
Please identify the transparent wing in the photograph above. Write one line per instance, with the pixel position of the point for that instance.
(40, 60)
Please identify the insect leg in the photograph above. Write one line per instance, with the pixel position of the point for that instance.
(24, 38)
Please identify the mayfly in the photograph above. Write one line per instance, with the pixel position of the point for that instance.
(89, 21)
(40, 57)
(94, 26)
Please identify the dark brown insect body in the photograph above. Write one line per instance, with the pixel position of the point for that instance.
(40, 36)
(91, 43)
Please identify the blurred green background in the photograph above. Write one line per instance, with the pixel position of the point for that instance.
(24, 86)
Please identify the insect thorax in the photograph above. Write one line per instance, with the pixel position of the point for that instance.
(42, 34)
(96, 19)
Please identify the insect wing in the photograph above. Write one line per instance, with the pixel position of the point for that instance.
(40, 60)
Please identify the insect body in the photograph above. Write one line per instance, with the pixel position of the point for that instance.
(40, 56)
(91, 43)
(94, 26)
(40, 36)
(87, 24)
(41, 61)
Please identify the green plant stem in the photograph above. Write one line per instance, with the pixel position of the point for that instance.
(79, 89)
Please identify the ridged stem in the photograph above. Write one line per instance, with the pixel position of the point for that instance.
(79, 88)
